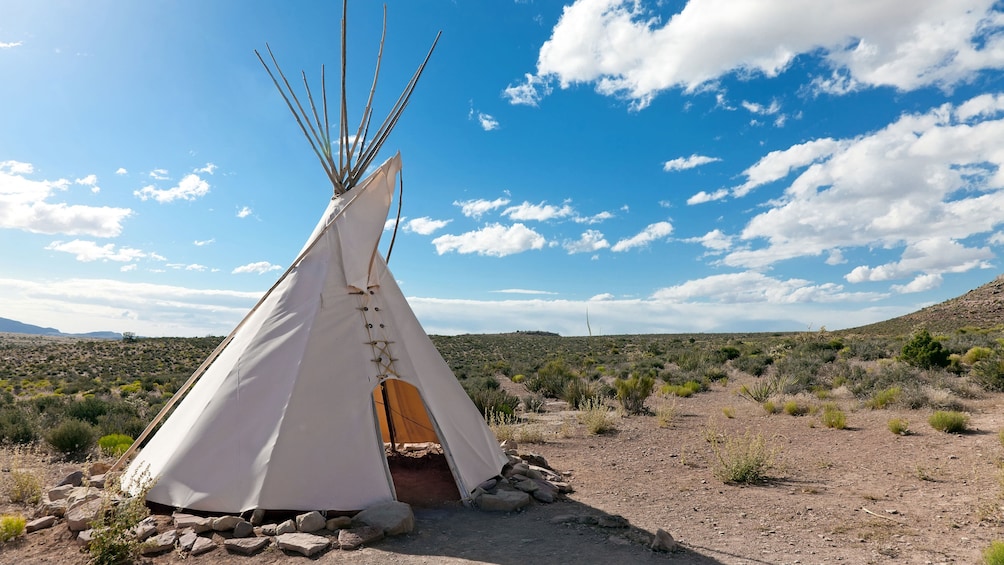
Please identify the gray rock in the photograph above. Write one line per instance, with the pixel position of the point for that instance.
(304, 543)
(543, 495)
(565, 519)
(489, 485)
(503, 501)
(80, 517)
(509, 446)
(611, 521)
(663, 541)
(74, 479)
(310, 522)
(85, 537)
(243, 529)
(269, 529)
(535, 460)
(203, 545)
(197, 523)
(145, 528)
(54, 507)
(39, 524)
(526, 485)
(287, 527)
(60, 493)
(245, 546)
(338, 522)
(159, 544)
(258, 517)
(225, 523)
(393, 517)
(97, 481)
(80, 495)
(187, 540)
(355, 538)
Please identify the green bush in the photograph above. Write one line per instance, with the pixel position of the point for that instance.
(795, 408)
(114, 444)
(994, 553)
(596, 417)
(741, 459)
(685, 390)
(632, 393)
(899, 426)
(755, 365)
(578, 391)
(72, 438)
(834, 417)
(489, 401)
(11, 527)
(989, 372)
(87, 410)
(883, 398)
(16, 426)
(113, 541)
(24, 487)
(924, 351)
(949, 422)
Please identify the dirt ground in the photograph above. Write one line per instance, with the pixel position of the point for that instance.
(857, 495)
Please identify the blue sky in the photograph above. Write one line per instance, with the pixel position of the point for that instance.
(653, 167)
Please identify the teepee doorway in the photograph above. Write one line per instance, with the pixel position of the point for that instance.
(416, 456)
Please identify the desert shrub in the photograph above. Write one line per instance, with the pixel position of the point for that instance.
(597, 418)
(728, 412)
(764, 388)
(23, 487)
(976, 354)
(87, 410)
(685, 390)
(550, 379)
(994, 553)
(795, 408)
(755, 365)
(534, 403)
(988, 372)
(949, 422)
(883, 398)
(924, 351)
(742, 459)
(112, 540)
(16, 426)
(11, 527)
(899, 426)
(72, 438)
(834, 417)
(518, 378)
(489, 400)
(114, 444)
(578, 391)
(769, 407)
(666, 414)
(631, 393)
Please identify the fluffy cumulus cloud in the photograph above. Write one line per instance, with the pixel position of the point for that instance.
(652, 232)
(486, 121)
(538, 212)
(715, 241)
(479, 207)
(29, 205)
(753, 287)
(494, 240)
(631, 49)
(87, 251)
(257, 268)
(425, 225)
(9, 44)
(931, 184)
(684, 163)
(191, 187)
(590, 241)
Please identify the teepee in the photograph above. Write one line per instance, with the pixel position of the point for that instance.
(294, 409)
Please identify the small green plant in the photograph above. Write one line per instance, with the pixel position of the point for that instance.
(769, 407)
(899, 426)
(518, 378)
(742, 459)
(112, 540)
(666, 414)
(73, 438)
(11, 527)
(883, 398)
(795, 408)
(766, 387)
(24, 487)
(504, 426)
(924, 351)
(728, 412)
(114, 445)
(834, 417)
(949, 422)
(994, 553)
(597, 418)
(685, 390)
(631, 393)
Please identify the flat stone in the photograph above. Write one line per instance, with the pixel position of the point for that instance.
(310, 522)
(245, 546)
(535, 460)
(80, 517)
(393, 517)
(39, 524)
(503, 501)
(187, 540)
(145, 528)
(225, 523)
(197, 523)
(243, 529)
(526, 485)
(663, 541)
(489, 485)
(543, 495)
(54, 507)
(84, 537)
(60, 493)
(159, 544)
(338, 522)
(80, 495)
(75, 478)
(96, 481)
(269, 529)
(203, 545)
(300, 542)
(355, 538)
(287, 527)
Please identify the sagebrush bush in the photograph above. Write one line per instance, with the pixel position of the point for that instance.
(949, 422)
(16, 426)
(883, 398)
(597, 418)
(924, 351)
(23, 487)
(989, 372)
(685, 390)
(112, 540)
(632, 393)
(578, 391)
(11, 527)
(741, 459)
(493, 400)
(834, 417)
(72, 438)
(795, 408)
(899, 426)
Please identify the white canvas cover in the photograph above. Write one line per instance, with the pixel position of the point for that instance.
(285, 417)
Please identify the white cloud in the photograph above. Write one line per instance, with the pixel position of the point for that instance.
(121, 171)
(521, 291)
(683, 163)
(714, 240)
(9, 45)
(486, 121)
(651, 233)
(529, 93)
(25, 205)
(760, 109)
(87, 251)
(625, 49)
(494, 240)
(425, 225)
(538, 212)
(920, 284)
(591, 240)
(190, 267)
(91, 181)
(922, 183)
(204, 242)
(208, 169)
(190, 188)
(477, 208)
(159, 174)
(752, 287)
(702, 196)
(258, 268)
(594, 219)
(244, 212)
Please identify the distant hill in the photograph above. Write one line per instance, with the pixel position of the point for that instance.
(13, 326)
(981, 307)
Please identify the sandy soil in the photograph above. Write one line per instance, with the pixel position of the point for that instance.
(858, 495)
